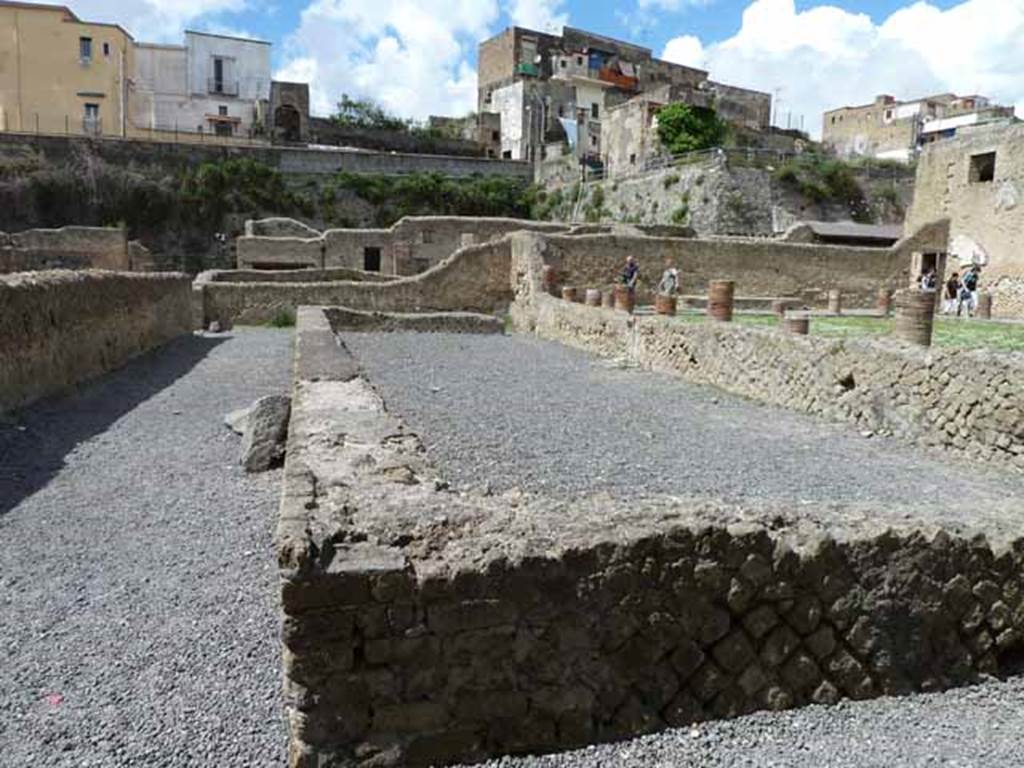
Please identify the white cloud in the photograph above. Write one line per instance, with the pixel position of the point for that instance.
(155, 20)
(826, 57)
(540, 15)
(686, 50)
(412, 56)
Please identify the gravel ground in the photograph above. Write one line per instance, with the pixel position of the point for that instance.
(138, 617)
(977, 727)
(518, 411)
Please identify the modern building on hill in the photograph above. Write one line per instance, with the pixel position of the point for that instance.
(213, 84)
(62, 75)
(896, 130)
(976, 180)
(59, 74)
(552, 88)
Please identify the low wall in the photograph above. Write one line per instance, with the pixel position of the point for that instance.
(65, 248)
(473, 279)
(970, 401)
(428, 627)
(293, 275)
(59, 328)
(759, 267)
(412, 245)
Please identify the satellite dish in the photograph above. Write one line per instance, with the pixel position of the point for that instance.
(967, 251)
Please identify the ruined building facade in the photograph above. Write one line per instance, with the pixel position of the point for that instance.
(549, 89)
(976, 180)
(896, 130)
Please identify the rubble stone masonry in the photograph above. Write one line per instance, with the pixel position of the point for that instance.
(968, 401)
(424, 626)
(59, 328)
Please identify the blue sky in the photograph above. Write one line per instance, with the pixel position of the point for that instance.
(418, 57)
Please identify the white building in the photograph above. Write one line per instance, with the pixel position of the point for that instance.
(212, 84)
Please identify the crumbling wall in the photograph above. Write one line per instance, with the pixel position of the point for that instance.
(966, 400)
(65, 248)
(410, 246)
(473, 279)
(985, 216)
(58, 328)
(759, 267)
(426, 627)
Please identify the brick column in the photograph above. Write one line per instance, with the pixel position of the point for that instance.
(720, 300)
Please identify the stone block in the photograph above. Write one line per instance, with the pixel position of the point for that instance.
(472, 614)
(760, 621)
(414, 717)
(686, 659)
(779, 645)
(734, 652)
(822, 642)
(801, 673)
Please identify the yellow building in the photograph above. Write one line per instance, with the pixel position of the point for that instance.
(59, 74)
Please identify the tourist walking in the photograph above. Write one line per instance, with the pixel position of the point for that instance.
(969, 291)
(929, 281)
(952, 294)
(630, 274)
(669, 285)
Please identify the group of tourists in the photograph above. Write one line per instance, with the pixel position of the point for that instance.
(960, 291)
(630, 275)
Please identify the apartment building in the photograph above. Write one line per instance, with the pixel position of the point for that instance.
(59, 74)
(211, 84)
(551, 88)
(62, 75)
(896, 130)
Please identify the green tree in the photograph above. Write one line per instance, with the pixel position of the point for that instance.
(365, 113)
(685, 128)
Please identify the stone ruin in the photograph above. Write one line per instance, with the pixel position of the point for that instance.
(428, 627)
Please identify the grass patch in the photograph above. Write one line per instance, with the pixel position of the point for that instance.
(283, 319)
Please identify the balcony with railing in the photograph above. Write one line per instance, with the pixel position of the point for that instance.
(92, 126)
(223, 87)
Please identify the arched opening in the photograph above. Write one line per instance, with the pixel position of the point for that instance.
(288, 123)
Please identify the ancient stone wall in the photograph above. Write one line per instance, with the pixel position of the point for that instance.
(986, 216)
(412, 245)
(425, 627)
(65, 248)
(759, 267)
(473, 279)
(965, 400)
(59, 328)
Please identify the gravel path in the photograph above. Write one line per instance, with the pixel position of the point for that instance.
(977, 727)
(138, 619)
(518, 411)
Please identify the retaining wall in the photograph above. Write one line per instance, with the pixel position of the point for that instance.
(65, 248)
(428, 627)
(59, 328)
(288, 160)
(967, 400)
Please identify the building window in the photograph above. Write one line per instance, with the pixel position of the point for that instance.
(833, 119)
(595, 111)
(579, 61)
(562, 62)
(495, 135)
(593, 141)
(222, 111)
(91, 119)
(85, 49)
(983, 168)
(426, 237)
(106, 50)
(507, 154)
(632, 159)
